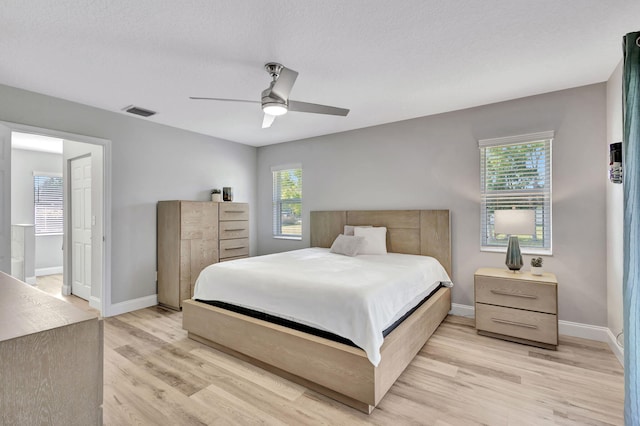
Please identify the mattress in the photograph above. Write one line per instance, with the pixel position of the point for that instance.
(353, 297)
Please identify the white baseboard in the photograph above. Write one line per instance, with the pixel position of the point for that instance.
(30, 280)
(94, 302)
(66, 290)
(613, 344)
(462, 310)
(131, 305)
(567, 328)
(49, 271)
(584, 331)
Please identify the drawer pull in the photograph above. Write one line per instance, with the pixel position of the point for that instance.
(519, 324)
(234, 211)
(234, 248)
(235, 230)
(506, 293)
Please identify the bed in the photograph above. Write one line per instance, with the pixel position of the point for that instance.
(338, 370)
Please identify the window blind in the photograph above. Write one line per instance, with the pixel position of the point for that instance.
(47, 200)
(516, 173)
(287, 201)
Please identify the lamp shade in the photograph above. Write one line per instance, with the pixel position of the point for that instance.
(515, 222)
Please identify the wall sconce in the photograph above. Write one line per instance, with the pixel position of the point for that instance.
(615, 162)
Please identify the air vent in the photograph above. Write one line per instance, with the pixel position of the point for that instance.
(139, 111)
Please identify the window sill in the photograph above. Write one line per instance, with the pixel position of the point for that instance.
(286, 237)
(530, 251)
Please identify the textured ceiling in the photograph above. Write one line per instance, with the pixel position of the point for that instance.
(385, 60)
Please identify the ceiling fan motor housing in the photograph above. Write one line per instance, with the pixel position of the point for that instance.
(272, 104)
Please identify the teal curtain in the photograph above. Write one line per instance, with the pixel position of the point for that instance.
(631, 180)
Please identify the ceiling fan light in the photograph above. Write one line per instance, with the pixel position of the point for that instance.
(274, 109)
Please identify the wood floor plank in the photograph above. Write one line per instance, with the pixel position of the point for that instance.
(154, 374)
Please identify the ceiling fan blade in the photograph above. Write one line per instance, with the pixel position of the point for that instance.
(284, 83)
(267, 121)
(317, 109)
(222, 99)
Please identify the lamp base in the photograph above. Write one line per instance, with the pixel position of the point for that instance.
(514, 257)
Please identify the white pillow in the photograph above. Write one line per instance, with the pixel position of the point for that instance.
(375, 240)
(348, 245)
(348, 229)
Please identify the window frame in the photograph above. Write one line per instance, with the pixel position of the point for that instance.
(278, 201)
(41, 229)
(544, 217)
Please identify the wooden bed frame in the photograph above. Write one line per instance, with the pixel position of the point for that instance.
(338, 371)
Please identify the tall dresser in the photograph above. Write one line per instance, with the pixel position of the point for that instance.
(234, 230)
(187, 243)
(193, 235)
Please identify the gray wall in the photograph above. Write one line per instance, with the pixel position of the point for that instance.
(433, 162)
(150, 162)
(23, 164)
(615, 205)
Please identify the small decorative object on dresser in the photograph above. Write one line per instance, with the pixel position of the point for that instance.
(216, 195)
(522, 308)
(227, 193)
(536, 266)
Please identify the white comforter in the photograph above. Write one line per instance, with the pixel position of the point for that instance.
(353, 297)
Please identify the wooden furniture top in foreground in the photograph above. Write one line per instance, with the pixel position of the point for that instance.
(26, 310)
(51, 359)
(421, 232)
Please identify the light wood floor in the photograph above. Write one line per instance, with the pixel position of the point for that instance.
(52, 284)
(155, 375)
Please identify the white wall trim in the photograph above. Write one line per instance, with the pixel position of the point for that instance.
(30, 280)
(132, 305)
(53, 270)
(94, 302)
(613, 345)
(567, 328)
(462, 310)
(584, 331)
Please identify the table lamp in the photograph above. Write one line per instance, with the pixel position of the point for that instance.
(513, 223)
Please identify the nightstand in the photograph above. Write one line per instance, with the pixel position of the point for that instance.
(518, 306)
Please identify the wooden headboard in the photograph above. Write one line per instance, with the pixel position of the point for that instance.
(422, 232)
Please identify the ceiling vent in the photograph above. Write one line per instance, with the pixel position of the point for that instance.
(139, 111)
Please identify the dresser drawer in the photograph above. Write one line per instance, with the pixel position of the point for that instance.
(234, 248)
(536, 326)
(229, 259)
(540, 297)
(234, 229)
(233, 211)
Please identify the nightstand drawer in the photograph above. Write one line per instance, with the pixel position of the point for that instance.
(234, 229)
(536, 326)
(540, 297)
(234, 248)
(233, 211)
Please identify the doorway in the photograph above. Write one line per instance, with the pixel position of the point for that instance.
(91, 264)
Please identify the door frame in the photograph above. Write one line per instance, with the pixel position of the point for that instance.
(105, 291)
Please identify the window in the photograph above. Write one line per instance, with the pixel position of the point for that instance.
(47, 200)
(516, 173)
(287, 201)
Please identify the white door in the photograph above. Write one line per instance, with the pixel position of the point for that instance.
(5, 199)
(81, 227)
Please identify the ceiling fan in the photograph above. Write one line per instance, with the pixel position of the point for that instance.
(275, 99)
